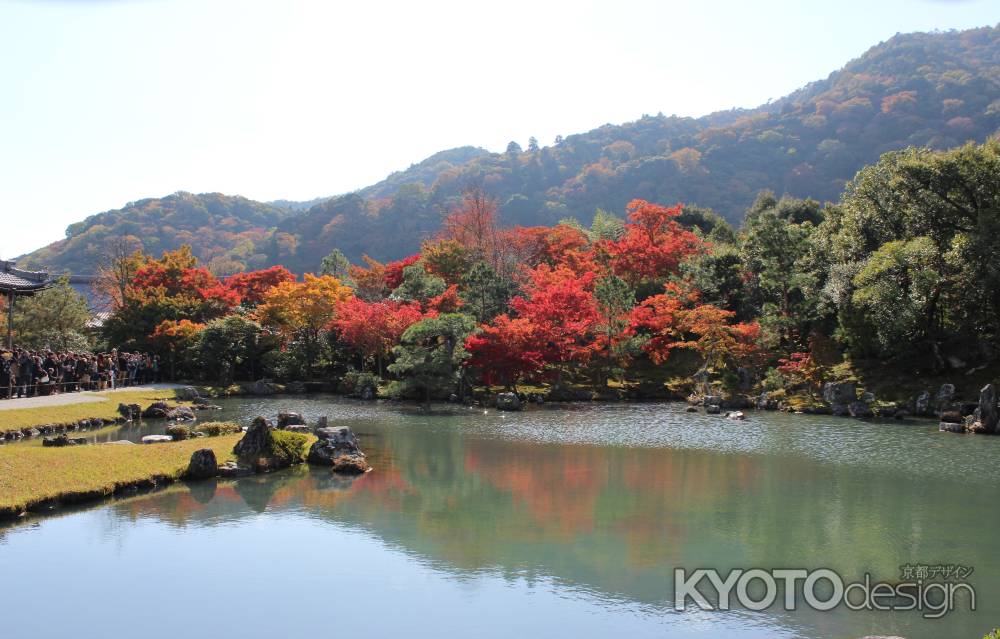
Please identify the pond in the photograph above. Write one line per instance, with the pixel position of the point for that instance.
(558, 521)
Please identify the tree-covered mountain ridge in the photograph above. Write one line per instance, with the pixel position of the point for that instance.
(937, 90)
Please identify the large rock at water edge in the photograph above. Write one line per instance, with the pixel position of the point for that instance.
(156, 410)
(232, 470)
(839, 393)
(766, 402)
(338, 448)
(257, 440)
(181, 414)
(860, 409)
(131, 412)
(350, 464)
(64, 440)
(988, 414)
(922, 403)
(263, 387)
(179, 432)
(157, 439)
(944, 397)
(508, 401)
(338, 435)
(288, 418)
(189, 394)
(203, 464)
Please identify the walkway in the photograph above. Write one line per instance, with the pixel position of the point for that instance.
(85, 397)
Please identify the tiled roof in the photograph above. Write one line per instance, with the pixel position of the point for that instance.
(17, 280)
(98, 319)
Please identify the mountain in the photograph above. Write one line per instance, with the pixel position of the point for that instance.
(297, 205)
(222, 230)
(928, 89)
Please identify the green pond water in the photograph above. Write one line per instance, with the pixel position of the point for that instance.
(560, 521)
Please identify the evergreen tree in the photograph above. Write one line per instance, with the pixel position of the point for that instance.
(486, 293)
(430, 355)
(418, 285)
(55, 318)
(335, 264)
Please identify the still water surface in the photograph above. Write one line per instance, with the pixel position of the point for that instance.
(563, 521)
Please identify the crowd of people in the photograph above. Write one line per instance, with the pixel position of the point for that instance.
(25, 373)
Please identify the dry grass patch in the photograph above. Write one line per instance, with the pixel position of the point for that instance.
(32, 475)
(107, 408)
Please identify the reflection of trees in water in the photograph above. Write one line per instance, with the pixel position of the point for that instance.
(614, 512)
(614, 518)
(203, 491)
(260, 491)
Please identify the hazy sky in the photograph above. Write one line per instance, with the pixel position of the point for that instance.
(103, 102)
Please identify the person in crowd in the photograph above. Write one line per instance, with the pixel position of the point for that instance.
(5, 382)
(30, 373)
(26, 377)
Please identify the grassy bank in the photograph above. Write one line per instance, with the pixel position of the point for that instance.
(105, 408)
(30, 476)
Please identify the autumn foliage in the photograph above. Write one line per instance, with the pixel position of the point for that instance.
(653, 245)
(373, 328)
(675, 319)
(251, 287)
(553, 303)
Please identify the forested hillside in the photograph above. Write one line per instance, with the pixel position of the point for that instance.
(223, 231)
(937, 90)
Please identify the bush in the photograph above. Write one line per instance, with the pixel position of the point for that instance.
(992, 635)
(288, 447)
(774, 380)
(214, 429)
(354, 383)
(280, 365)
(179, 432)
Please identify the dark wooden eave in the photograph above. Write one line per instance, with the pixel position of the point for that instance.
(21, 282)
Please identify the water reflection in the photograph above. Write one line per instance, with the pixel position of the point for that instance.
(531, 505)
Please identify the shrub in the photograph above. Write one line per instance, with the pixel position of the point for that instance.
(214, 429)
(281, 365)
(774, 380)
(354, 383)
(179, 432)
(288, 447)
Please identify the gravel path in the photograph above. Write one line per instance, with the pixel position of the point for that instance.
(65, 399)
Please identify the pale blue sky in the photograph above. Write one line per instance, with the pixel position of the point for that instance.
(103, 102)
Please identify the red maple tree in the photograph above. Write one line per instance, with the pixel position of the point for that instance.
(653, 245)
(373, 328)
(252, 286)
(505, 351)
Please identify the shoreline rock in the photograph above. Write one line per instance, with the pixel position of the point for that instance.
(156, 410)
(257, 440)
(288, 418)
(338, 448)
(257, 448)
(64, 440)
(203, 464)
(951, 427)
(508, 401)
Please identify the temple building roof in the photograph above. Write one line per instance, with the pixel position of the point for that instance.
(15, 280)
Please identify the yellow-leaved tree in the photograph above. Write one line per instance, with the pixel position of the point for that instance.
(299, 311)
